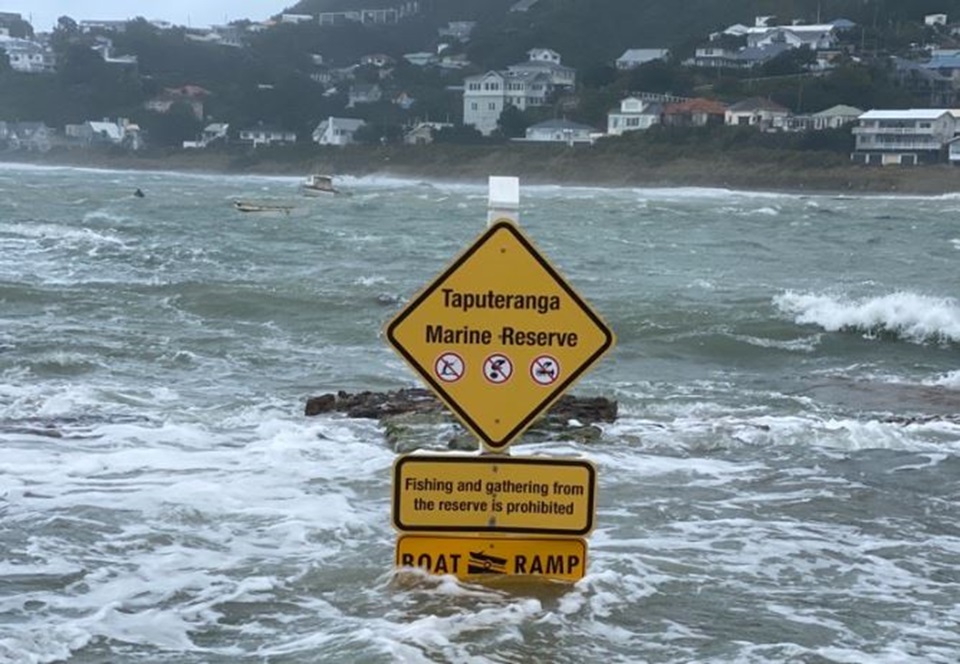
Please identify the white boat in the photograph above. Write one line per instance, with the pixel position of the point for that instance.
(319, 185)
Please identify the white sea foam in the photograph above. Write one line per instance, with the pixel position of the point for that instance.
(949, 380)
(917, 318)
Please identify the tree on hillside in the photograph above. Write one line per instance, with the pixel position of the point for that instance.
(170, 129)
(512, 122)
(791, 61)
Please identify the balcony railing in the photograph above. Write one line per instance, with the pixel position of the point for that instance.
(899, 131)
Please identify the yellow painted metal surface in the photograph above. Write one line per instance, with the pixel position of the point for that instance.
(499, 335)
(490, 557)
(494, 494)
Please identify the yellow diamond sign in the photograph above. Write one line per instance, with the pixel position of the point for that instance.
(499, 335)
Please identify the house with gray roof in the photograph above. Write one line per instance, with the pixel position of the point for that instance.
(634, 114)
(905, 137)
(634, 57)
(336, 131)
(521, 85)
(834, 117)
(560, 131)
(760, 112)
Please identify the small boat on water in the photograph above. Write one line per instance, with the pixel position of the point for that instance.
(319, 185)
(251, 206)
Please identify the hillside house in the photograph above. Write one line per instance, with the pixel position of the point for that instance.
(816, 37)
(834, 117)
(698, 112)
(522, 85)
(457, 30)
(547, 62)
(337, 131)
(634, 114)
(560, 131)
(28, 56)
(263, 134)
(764, 114)
(904, 137)
(215, 132)
(364, 93)
(371, 15)
(484, 98)
(422, 133)
(634, 57)
(190, 95)
(29, 136)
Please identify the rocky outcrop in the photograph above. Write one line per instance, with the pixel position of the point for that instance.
(414, 418)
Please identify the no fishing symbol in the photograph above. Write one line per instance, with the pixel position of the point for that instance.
(498, 369)
(545, 370)
(449, 367)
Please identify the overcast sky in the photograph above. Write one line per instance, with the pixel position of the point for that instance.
(43, 14)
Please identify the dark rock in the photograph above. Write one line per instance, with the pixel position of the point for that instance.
(414, 418)
(377, 405)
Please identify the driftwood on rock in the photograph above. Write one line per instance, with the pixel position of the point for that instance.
(414, 417)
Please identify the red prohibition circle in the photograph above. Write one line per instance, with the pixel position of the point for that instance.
(449, 367)
(545, 370)
(497, 369)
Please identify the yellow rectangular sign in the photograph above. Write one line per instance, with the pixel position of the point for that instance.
(490, 557)
(457, 493)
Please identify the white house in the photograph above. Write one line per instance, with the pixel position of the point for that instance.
(765, 114)
(336, 131)
(28, 56)
(634, 57)
(267, 135)
(830, 118)
(522, 85)
(634, 115)
(905, 137)
(547, 62)
(817, 36)
(297, 18)
(484, 97)
(543, 55)
(935, 19)
(560, 131)
(953, 151)
(423, 132)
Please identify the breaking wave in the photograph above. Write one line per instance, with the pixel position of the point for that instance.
(917, 318)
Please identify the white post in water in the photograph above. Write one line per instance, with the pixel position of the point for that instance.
(503, 201)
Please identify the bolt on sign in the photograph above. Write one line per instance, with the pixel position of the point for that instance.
(494, 494)
(499, 335)
(489, 557)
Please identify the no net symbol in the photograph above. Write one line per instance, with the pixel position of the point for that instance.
(498, 369)
(545, 370)
(449, 367)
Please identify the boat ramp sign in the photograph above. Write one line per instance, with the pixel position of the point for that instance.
(499, 335)
(494, 494)
(490, 557)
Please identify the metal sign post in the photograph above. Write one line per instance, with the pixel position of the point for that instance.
(499, 336)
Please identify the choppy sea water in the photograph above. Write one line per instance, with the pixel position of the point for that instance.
(781, 485)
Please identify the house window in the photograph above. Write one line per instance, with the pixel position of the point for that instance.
(473, 106)
(492, 106)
